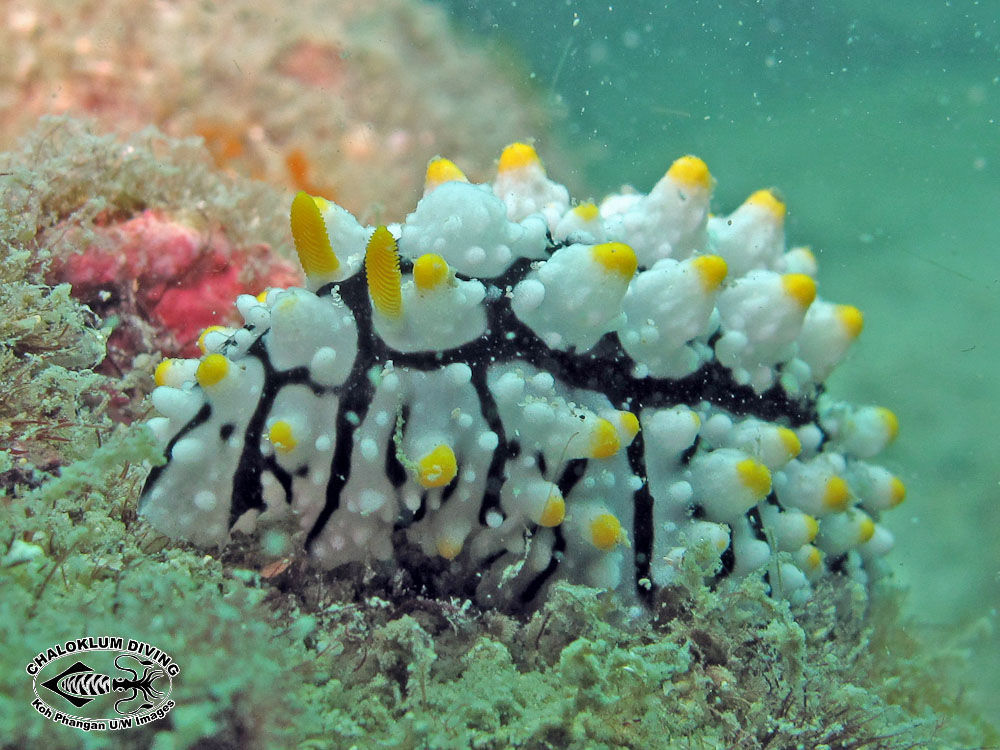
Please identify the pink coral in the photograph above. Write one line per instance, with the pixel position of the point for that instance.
(177, 279)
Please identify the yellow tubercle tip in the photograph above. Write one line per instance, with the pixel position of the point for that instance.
(814, 558)
(851, 318)
(430, 270)
(211, 370)
(440, 170)
(262, 296)
(201, 338)
(383, 274)
(312, 243)
(755, 476)
(712, 270)
(799, 287)
(606, 532)
(449, 549)
(690, 171)
(897, 491)
(866, 529)
(281, 437)
(630, 423)
(438, 467)
(836, 496)
(616, 257)
(604, 440)
(791, 441)
(891, 422)
(518, 156)
(586, 211)
(554, 511)
(768, 199)
(160, 373)
(812, 526)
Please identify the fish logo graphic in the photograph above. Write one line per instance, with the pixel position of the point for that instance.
(79, 684)
(110, 683)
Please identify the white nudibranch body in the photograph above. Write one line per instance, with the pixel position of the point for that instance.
(523, 390)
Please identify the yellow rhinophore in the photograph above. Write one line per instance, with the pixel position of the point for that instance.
(312, 243)
(438, 467)
(383, 274)
(690, 171)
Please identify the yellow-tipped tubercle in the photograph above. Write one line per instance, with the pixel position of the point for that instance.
(586, 211)
(312, 243)
(791, 441)
(851, 318)
(554, 511)
(836, 496)
(812, 527)
(768, 199)
(441, 170)
(690, 171)
(800, 287)
(891, 422)
(616, 257)
(201, 338)
(754, 476)
(712, 270)
(866, 529)
(630, 423)
(430, 271)
(606, 532)
(518, 156)
(438, 467)
(211, 370)
(604, 441)
(383, 274)
(160, 373)
(897, 491)
(281, 437)
(448, 548)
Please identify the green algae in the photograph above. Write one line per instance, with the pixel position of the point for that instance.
(276, 654)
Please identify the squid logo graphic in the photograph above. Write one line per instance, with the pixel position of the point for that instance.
(131, 678)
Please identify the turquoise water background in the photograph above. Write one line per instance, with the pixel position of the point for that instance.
(878, 122)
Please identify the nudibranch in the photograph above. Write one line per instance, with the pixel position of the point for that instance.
(525, 389)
